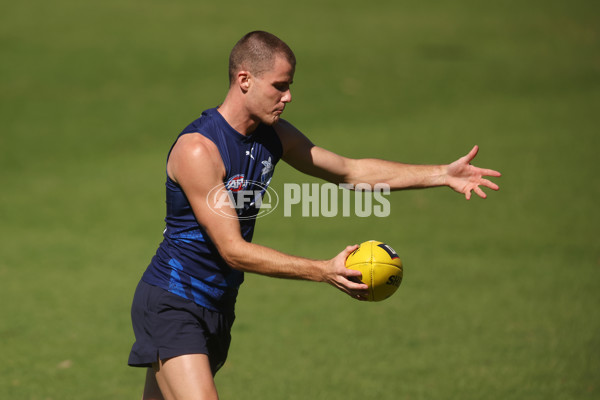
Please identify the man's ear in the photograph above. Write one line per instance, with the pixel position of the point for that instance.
(244, 80)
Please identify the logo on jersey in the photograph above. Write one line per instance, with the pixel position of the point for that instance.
(267, 168)
(236, 183)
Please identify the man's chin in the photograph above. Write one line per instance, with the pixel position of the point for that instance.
(274, 120)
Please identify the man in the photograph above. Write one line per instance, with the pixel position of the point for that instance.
(183, 308)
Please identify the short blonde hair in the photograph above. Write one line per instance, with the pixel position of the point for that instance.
(256, 52)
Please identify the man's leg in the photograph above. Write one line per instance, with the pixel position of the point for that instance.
(186, 377)
(151, 389)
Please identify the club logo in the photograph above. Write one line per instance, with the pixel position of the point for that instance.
(236, 183)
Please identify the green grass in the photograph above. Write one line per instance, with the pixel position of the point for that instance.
(499, 298)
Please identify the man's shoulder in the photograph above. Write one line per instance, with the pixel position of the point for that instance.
(195, 144)
(193, 152)
(290, 136)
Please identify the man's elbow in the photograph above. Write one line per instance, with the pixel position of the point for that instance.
(233, 254)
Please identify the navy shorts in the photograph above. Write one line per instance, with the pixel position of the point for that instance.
(166, 326)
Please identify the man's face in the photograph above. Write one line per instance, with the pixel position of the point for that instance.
(270, 92)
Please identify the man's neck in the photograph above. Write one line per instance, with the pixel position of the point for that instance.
(237, 117)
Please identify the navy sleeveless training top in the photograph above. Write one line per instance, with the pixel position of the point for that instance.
(187, 263)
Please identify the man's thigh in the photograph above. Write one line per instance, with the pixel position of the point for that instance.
(187, 377)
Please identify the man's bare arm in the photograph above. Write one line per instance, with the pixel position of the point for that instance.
(460, 175)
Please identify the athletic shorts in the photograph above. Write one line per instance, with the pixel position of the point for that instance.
(166, 326)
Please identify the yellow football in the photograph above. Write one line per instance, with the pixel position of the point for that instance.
(380, 266)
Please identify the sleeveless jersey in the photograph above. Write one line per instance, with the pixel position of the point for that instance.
(187, 262)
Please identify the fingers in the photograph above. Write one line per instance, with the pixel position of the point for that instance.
(482, 171)
(352, 273)
(467, 178)
(343, 255)
(358, 291)
(345, 279)
(354, 287)
(469, 157)
(362, 295)
(489, 184)
(348, 250)
(489, 172)
(353, 280)
(480, 192)
(350, 279)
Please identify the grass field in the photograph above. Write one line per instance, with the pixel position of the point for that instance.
(500, 297)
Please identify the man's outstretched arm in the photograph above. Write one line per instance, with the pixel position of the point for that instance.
(460, 175)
